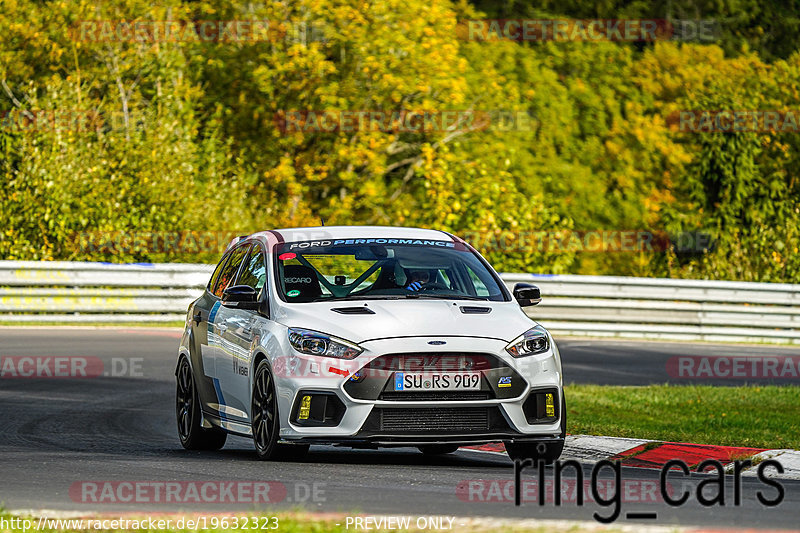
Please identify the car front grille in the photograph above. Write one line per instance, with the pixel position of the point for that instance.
(436, 420)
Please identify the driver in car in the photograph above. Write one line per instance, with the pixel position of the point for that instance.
(417, 280)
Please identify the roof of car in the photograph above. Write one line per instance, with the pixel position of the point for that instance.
(351, 232)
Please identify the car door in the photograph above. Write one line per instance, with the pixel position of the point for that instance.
(213, 356)
(239, 333)
(203, 359)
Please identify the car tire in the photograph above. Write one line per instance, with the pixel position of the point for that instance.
(549, 452)
(191, 432)
(265, 421)
(437, 449)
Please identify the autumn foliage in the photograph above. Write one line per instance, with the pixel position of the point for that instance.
(384, 113)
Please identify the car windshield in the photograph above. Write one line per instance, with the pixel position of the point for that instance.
(380, 268)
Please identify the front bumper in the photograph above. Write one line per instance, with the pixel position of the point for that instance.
(368, 413)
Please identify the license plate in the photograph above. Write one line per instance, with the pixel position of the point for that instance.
(416, 381)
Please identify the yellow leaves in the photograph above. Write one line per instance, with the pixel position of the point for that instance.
(613, 147)
(369, 189)
(600, 113)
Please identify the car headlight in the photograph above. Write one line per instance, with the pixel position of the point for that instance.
(316, 343)
(532, 342)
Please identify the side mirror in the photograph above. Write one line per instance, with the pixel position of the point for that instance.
(241, 297)
(526, 294)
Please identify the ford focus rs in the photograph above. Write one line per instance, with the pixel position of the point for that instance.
(366, 337)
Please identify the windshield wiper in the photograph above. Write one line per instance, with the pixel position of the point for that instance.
(446, 297)
(354, 298)
(410, 295)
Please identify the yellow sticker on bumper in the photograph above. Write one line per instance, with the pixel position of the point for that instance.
(305, 408)
(549, 405)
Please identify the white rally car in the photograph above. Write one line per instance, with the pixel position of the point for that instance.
(366, 337)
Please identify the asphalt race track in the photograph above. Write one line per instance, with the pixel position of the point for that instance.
(60, 432)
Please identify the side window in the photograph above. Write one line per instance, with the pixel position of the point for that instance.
(254, 272)
(215, 276)
(480, 287)
(229, 271)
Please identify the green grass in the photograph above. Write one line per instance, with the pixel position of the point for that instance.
(750, 416)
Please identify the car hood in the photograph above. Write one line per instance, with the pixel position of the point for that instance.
(408, 318)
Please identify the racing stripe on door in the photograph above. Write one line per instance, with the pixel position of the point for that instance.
(217, 388)
(212, 315)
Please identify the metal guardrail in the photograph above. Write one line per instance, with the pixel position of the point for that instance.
(596, 306)
(676, 309)
(72, 292)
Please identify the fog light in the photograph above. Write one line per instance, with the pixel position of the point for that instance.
(317, 408)
(305, 408)
(540, 407)
(549, 405)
